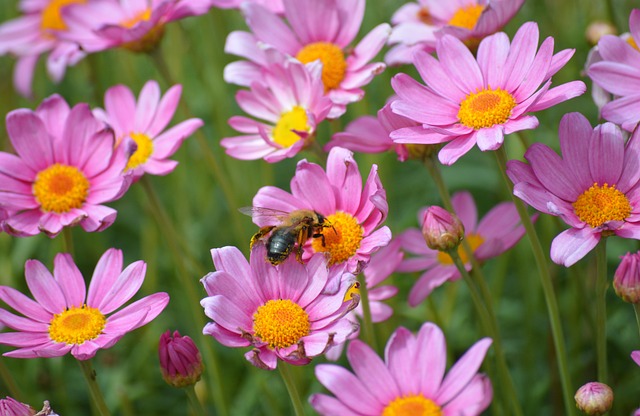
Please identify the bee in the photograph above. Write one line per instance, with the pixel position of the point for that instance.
(294, 229)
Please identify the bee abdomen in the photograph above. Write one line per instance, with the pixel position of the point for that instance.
(279, 247)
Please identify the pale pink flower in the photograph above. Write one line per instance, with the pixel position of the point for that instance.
(11, 407)
(594, 187)
(137, 25)
(275, 6)
(468, 101)
(66, 318)
(412, 374)
(34, 33)
(290, 99)
(66, 167)
(418, 25)
(617, 70)
(635, 355)
(316, 30)
(355, 212)
(280, 311)
(497, 232)
(143, 122)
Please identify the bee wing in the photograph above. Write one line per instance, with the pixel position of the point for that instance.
(261, 212)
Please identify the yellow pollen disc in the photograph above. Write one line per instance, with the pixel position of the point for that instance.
(600, 204)
(283, 132)
(633, 43)
(280, 323)
(412, 405)
(424, 16)
(51, 16)
(334, 65)
(143, 16)
(467, 17)
(142, 153)
(77, 325)
(60, 188)
(474, 240)
(486, 108)
(341, 239)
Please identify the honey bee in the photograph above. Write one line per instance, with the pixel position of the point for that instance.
(294, 228)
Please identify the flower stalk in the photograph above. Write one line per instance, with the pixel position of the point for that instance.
(287, 377)
(94, 389)
(601, 309)
(367, 322)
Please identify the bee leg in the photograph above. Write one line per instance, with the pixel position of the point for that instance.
(303, 236)
(320, 235)
(260, 234)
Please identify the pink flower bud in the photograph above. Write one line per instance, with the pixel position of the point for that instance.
(626, 280)
(180, 360)
(12, 407)
(594, 398)
(441, 229)
(598, 29)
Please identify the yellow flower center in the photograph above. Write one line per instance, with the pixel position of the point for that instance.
(633, 43)
(60, 188)
(486, 108)
(142, 153)
(412, 405)
(284, 133)
(467, 17)
(341, 239)
(600, 204)
(143, 16)
(51, 16)
(474, 240)
(334, 65)
(424, 16)
(280, 323)
(77, 325)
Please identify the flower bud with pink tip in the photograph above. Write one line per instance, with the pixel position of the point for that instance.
(626, 280)
(180, 360)
(594, 398)
(441, 229)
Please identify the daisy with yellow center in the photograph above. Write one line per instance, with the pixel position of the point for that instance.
(353, 212)
(275, 310)
(473, 101)
(65, 318)
(409, 382)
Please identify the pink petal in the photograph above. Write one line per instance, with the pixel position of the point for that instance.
(573, 244)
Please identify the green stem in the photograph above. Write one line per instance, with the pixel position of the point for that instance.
(367, 322)
(636, 308)
(547, 287)
(287, 377)
(96, 395)
(197, 406)
(10, 383)
(601, 309)
(67, 241)
(431, 163)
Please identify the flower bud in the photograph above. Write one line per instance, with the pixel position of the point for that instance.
(180, 360)
(594, 398)
(12, 407)
(441, 229)
(598, 29)
(626, 280)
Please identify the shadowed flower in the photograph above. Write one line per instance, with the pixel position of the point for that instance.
(143, 122)
(354, 212)
(65, 169)
(418, 25)
(317, 30)
(290, 99)
(468, 101)
(496, 233)
(593, 187)
(66, 318)
(34, 33)
(410, 381)
(281, 312)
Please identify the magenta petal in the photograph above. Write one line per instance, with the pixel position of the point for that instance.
(463, 371)
(328, 405)
(70, 280)
(372, 372)
(401, 357)
(343, 174)
(345, 386)
(573, 244)
(26, 306)
(137, 314)
(432, 367)
(104, 276)
(30, 139)
(606, 154)
(465, 208)
(44, 287)
(123, 289)
(20, 323)
(310, 184)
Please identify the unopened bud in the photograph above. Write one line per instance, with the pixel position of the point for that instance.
(626, 280)
(180, 360)
(441, 229)
(594, 398)
(598, 29)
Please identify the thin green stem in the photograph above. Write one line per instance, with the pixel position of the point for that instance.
(601, 309)
(67, 240)
(636, 309)
(94, 389)
(10, 383)
(287, 377)
(367, 322)
(197, 406)
(431, 163)
(547, 287)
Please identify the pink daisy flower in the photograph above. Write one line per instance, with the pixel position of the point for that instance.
(369, 134)
(410, 380)
(65, 169)
(291, 101)
(467, 101)
(275, 6)
(281, 312)
(635, 355)
(66, 318)
(143, 123)
(617, 72)
(354, 212)
(11, 407)
(137, 25)
(594, 187)
(34, 33)
(418, 25)
(497, 232)
(318, 30)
